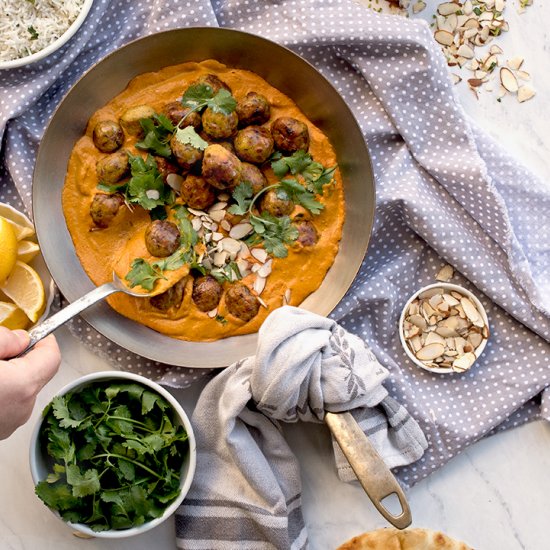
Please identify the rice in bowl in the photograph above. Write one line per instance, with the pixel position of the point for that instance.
(28, 27)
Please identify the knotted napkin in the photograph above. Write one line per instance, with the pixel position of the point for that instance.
(246, 492)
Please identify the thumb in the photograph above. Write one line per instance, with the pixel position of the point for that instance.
(12, 342)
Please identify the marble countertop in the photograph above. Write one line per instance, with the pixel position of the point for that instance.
(492, 496)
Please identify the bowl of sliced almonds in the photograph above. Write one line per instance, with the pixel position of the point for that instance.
(443, 328)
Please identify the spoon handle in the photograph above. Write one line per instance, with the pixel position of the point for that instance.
(61, 317)
(371, 471)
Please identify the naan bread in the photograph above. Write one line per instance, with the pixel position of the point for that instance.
(408, 539)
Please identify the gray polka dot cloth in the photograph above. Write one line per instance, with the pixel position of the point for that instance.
(446, 193)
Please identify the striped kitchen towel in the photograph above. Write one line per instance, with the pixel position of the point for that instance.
(247, 489)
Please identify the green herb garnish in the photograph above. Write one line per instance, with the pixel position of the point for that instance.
(115, 456)
(188, 135)
(146, 186)
(199, 96)
(143, 274)
(158, 131)
(33, 33)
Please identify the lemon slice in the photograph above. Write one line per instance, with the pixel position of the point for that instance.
(25, 288)
(21, 224)
(13, 317)
(21, 231)
(8, 249)
(26, 251)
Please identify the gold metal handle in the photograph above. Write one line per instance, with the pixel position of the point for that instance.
(371, 471)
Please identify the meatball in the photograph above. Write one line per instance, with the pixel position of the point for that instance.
(108, 136)
(130, 120)
(207, 293)
(104, 208)
(307, 234)
(113, 168)
(165, 167)
(162, 238)
(196, 193)
(185, 154)
(241, 302)
(254, 176)
(277, 203)
(175, 111)
(254, 144)
(221, 168)
(219, 125)
(253, 109)
(213, 81)
(290, 135)
(171, 298)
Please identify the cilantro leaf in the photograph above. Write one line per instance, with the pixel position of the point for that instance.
(189, 136)
(143, 274)
(197, 96)
(146, 186)
(302, 196)
(82, 484)
(223, 102)
(157, 133)
(61, 411)
(275, 233)
(243, 195)
(57, 496)
(296, 163)
(315, 184)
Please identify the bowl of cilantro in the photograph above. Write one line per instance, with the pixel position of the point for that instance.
(113, 454)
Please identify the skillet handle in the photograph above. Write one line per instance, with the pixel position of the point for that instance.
(371, 471)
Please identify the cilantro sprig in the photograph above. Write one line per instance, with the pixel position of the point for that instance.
(115, 453)
(200, 96)
(146, 187)
(158, 131)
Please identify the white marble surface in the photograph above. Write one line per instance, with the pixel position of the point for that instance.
(493, 496)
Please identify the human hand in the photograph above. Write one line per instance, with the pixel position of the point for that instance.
(21, 379)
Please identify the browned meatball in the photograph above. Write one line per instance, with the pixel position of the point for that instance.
(277, 203)
(254, 176)
(171, 298)
(307, 234)
(104, 208)
(227, 145)
(175, 111)
(221, 168)
(213, 81)
(162, 238)
(185, 154)
(290, 135)
(165, 167)
(196, 193)
(254, 144)
(241, 302)
(254, 108)
(219, 125)
(108, 136)
(113, 168)
(207, 293)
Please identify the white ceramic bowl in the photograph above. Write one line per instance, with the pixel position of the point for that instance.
(55, 45)
(448, 286)
(38, 464)
(37, 263)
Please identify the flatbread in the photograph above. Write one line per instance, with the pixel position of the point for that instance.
(408, 539)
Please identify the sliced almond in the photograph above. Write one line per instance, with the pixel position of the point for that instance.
(451, 300)
(456, 78)
(434, 338)
(240, 230)
(218, 215)
(515, 63)
(525, 93)
(265, 270)
(225, 225)
(475, 339)
(259, 284)
(287, 295)
(523, 75)
(232, 246)
(260, 254)
(444, 38)
(495, 50)
(430, 352)
(418, 7)
(174, 181)
(415, 343)
(430, 292)
(461, 364)
(475, 82)
(499, 5)
(508, 80)
(220, 258)
(418, 321)
(446, 8)
(212, 313)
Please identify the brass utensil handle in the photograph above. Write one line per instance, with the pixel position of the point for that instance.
(61, 317)
(371, 471)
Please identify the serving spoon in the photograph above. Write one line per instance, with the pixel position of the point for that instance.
(61, 317)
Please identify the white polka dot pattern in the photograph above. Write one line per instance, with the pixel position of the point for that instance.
(445, 194)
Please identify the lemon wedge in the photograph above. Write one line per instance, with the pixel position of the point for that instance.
(26, 251)
(13, 317)
(26, 290)
(8, 249)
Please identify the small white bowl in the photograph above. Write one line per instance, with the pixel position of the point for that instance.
(55, 45)
(37, 263)
(38, 465)
(447, 286)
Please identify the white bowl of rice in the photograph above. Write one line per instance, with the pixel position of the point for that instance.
(30, 30)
